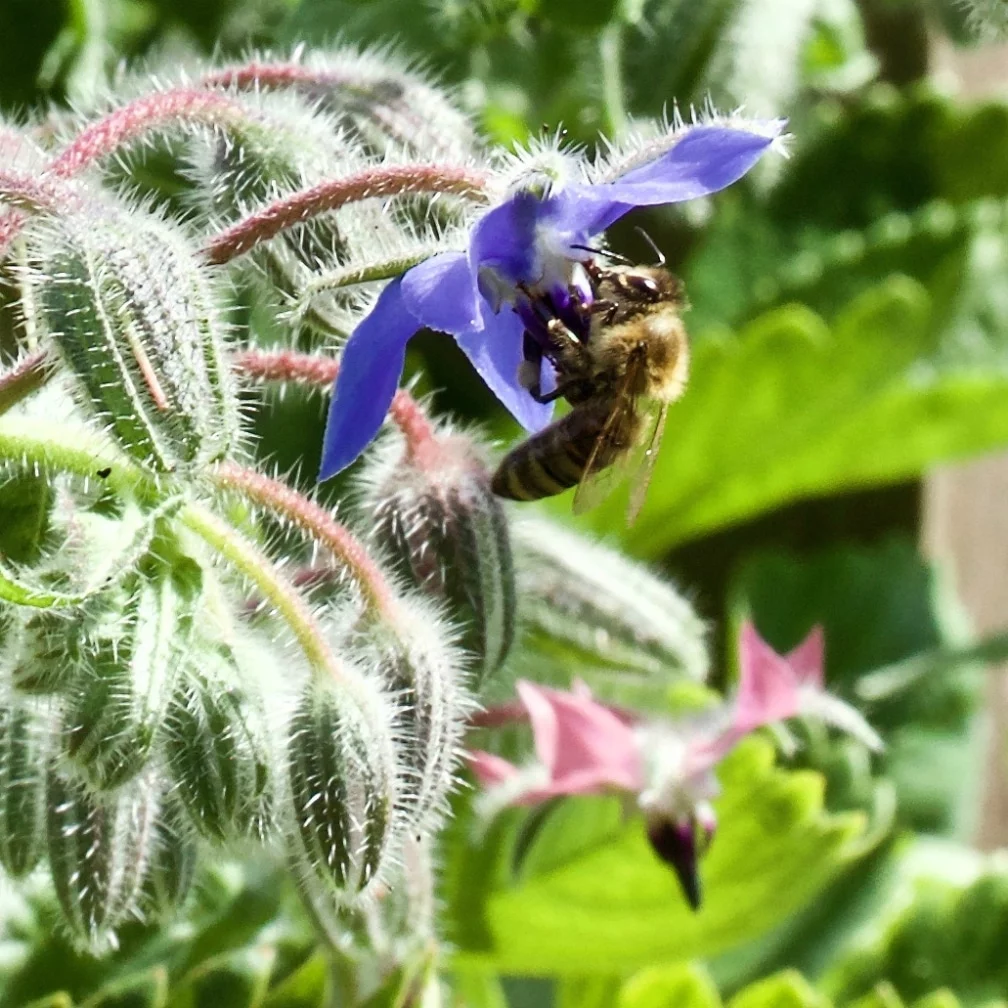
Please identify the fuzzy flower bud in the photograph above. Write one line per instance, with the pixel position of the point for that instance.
(377, 96)
(343, 778)
(172, 861)
(445, 532)
(615, 612)
(122, 688)
(216, 748)
(134, 316)
(419, 667)
(99, 849)
(24, 742)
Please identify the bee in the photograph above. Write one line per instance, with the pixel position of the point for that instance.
(629, 363)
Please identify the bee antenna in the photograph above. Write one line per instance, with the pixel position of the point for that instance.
(657, 251)
(615, 256)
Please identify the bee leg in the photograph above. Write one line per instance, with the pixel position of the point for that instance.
(605, 307)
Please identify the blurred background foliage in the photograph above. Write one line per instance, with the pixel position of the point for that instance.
(850, 328)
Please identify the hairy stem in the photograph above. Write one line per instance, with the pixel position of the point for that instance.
(317, 522)
(350, 276)
(27, 375)
(20, 443)
(146, 114)
(34, 193)
(311, 369)
(389, 180)
(884, 683)
(245, 557)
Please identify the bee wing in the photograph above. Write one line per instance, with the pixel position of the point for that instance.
(643, 462)
(600, 478)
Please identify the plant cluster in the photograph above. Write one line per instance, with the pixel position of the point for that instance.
(217, 677)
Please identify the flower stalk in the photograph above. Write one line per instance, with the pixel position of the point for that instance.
(302, 206)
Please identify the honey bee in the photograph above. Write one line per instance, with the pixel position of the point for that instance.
(620, 377)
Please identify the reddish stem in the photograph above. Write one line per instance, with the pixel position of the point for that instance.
(390, 180)
(310, 369)
(317, 522)
(28, 374)
(267, 75)
(151, 112)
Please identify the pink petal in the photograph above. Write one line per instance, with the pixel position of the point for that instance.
(768, 687)
(808, 658)
(489, 769)
(578, 740)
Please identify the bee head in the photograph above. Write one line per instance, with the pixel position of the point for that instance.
(653, 284)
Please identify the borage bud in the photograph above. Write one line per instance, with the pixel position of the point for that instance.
(24, 744)
(377, 96)
(99, 850)
(217, 750)
(172, 861)
(134, 316)
(419, 666)
(619, 615)
(343, 779)
(437, 520)
(120, 694)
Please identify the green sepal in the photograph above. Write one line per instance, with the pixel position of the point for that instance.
(23, 759)
(110, 724)
(341, 792)
(216, 749)
(99, 848)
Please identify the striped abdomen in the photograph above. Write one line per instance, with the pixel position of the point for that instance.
(555, 459)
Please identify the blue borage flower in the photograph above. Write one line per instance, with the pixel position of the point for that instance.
(522, 259)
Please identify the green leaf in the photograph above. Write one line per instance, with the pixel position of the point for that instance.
(687, 986)
(945, 928)
(24, 504)
(306, 987)
(147, 991)
(786, 410)
(785, 990)
(604, 903)
(898, 152)
(237, 980)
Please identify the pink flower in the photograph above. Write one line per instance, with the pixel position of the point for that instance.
(583, 747)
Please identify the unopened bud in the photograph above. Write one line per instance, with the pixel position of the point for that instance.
(421, 669)
(99, 847)
(445, 531)
(216, 748)
(172, 861)
(621, 619)
(134, 315)
(343, 786)
(23, 758)
(121, 692)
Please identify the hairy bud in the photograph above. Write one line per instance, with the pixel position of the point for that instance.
(419, 666)
(342, 778)
(623, 620)
(288, 145)
(120, 694)
(216, 749)
(23, 759)
(172, 861)
(446, 533)
(99, 848)
(134, 316)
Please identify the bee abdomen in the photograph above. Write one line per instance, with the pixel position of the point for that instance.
(549, 462)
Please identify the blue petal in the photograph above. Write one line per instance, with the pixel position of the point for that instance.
(496, 353)
(369, 373)
(441, 293)
(706, 159)
(504, 239)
